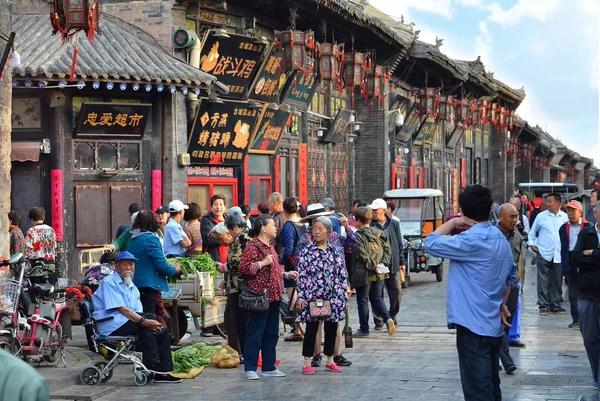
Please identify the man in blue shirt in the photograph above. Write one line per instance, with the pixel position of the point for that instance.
(480, 277)
(117, 301)
(175, 240)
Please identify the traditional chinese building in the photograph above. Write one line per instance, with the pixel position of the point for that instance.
(88, 148)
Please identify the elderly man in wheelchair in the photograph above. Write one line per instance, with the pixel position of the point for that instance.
(118, 313)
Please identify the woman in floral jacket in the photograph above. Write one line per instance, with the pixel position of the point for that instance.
(322, 276)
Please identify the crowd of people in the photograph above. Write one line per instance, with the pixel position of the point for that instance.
(305, 263)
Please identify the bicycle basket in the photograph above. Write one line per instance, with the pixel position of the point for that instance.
(9, 294)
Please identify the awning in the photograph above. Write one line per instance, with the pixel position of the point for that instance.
(25, 151)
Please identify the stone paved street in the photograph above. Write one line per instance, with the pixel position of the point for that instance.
(419, 363)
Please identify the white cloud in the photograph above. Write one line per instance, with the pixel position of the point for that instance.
(536, 9)
(403, 7)
(483, 42)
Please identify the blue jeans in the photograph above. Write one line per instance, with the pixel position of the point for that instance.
(514, 334)
(479, 360)
(262, 334)
(373, 292)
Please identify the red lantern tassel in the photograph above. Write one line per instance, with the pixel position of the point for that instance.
(75, 52)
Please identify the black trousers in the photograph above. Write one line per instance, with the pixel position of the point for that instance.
(148, 299)
(156, 348)
(235, 323)
(511, 303)
(310, 337)
(573, 292)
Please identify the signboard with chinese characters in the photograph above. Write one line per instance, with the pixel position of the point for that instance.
(112, 119)
(339, 128)
(412, 123)
(221, 132)
(234, 60)
(300, 89)
(270, 129)
(270, 80)
(210, 172)
(426, 132)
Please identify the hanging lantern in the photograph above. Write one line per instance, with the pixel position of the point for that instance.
(474, 107)
(385, 79)
(502, 117)
(511, 121)
(71, 16)
(443, 107)
(330, 56)
(492, 114)
(297, 47)
(463, 113)
(374, 77)
(450, 110)
(426, 100)
(353, 69)
(483, 105)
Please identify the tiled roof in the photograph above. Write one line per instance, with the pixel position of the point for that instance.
(116, 54)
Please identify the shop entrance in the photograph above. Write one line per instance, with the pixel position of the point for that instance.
(200, 190)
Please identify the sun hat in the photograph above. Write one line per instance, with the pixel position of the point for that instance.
(315, 210)
(177, 206)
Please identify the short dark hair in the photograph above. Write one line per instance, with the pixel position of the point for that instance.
(290, 205)
(145, 221)
(364, 215)
(246, 210)
(37, 213)
(216, 197)
(193, 213)
(263, 208)
(14, 217)
(391, 205)
(597, 192)
(134, 207)
(108, 257)
(476, 202)
(260, 221)
(356, 201)
(538, 193)
(360, 203)
(555, 196)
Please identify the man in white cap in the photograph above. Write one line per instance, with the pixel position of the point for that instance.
(392, 230)
(175, 240)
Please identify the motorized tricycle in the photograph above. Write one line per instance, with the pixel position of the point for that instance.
(421, 211)
(34, 318)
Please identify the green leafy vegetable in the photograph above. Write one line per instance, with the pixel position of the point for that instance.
(202, 263)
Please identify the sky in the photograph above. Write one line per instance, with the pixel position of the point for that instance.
(550, 47)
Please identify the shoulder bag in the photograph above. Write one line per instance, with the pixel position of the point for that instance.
(252, 300)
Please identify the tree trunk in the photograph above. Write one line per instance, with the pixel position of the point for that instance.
(5, 130)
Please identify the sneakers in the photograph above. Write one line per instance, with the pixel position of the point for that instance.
(510, 370)
(543, 311)
(574, 325)
(341, 361)
(332, 367)
(596, 385)
(516, 344)
(316, 361)
(273, 373)
(166, 379)
(360, 333)
(250, 375)
(391, 326)
(308, 370)
(557, 311)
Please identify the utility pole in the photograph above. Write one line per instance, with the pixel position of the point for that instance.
(5, 128)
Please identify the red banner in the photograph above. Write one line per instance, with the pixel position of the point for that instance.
(56, 181)
(156, 189)
(303, 173)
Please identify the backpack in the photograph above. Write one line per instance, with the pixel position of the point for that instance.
(536, 210)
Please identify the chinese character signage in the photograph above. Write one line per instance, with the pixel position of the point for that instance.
(271, 79)
(412, 124)
(270, 129)
(339, 128)
(112, 119)
(235, 61)
(210, 172)
(426, 132)
(301, 89)
(221, 132)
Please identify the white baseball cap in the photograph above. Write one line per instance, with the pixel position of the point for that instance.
(177, 206)
(378, 204)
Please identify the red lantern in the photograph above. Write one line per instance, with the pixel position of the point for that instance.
(353, 69)
(483, 105)
(463, 113)
(71, 16)
(511, 120)
(492, 114)
(426, 101)
(445, 108)
(297, 47)
(330, 57)
(374, 77)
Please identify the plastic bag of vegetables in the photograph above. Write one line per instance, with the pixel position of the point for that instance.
(226, 358)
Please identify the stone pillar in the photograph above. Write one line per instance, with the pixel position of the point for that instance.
(372, 158)
(174, 140)
(5, 131)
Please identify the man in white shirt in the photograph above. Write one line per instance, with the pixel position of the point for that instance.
(544, 240)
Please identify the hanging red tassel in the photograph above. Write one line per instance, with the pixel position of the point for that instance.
(73, 63)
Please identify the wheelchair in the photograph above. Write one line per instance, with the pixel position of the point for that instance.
(120, 347)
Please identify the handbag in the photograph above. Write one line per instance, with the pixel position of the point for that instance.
(319, 309)
(287, 311)
(252, 300)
